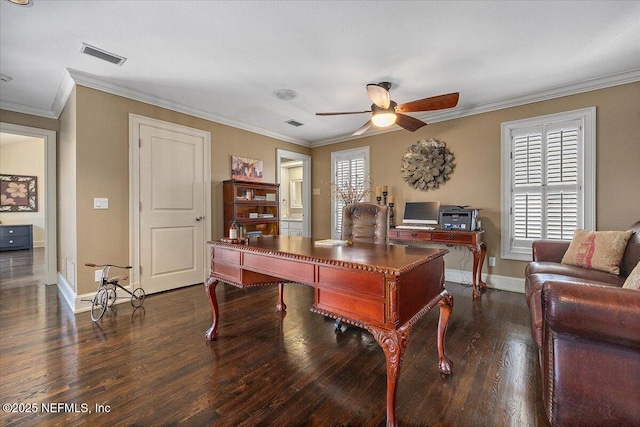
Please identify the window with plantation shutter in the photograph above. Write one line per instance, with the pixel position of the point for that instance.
(548, 179)
(348, 168)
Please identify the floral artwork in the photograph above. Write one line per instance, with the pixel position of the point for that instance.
(244, 169)
(18, 193)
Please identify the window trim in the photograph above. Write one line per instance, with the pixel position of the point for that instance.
(587, 117)
(335, 156)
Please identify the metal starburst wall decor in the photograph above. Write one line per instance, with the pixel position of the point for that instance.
(427, 164)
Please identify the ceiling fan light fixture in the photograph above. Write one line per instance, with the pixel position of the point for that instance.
(27, 3)
(383, 119)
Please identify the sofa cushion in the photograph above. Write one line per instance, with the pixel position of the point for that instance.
(573, 271)
(632, 253)
(633, 281)
(534, 282)
(598, 250)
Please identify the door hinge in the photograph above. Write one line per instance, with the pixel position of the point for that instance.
(140, 270)
(140, 206)
(140, 143)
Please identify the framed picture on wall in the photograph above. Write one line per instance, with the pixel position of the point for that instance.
(245, 169)
(18, 193)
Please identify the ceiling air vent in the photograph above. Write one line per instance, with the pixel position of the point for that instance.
(294, 123)
(102, 54)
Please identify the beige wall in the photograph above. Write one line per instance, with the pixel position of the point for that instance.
(102, 143)
(66, 192)
(28, 120)
(475, 142)
(26, 157)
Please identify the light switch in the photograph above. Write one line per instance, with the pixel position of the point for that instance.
(100, 203)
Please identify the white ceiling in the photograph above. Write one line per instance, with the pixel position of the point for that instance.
(222, 60)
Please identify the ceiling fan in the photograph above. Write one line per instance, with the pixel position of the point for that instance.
(387, 112)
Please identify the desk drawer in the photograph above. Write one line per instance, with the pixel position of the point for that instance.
(356, 282)
(228, 256)
(421, 235)
(445, 237)
(293, 270)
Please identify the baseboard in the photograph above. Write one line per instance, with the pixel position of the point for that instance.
(38, 244)
(66, 291)
(494, 281)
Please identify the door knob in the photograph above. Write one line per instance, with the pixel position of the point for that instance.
(199, 218)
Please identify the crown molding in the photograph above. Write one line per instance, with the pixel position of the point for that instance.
(88, 80)
(19, 108)
(62, 96)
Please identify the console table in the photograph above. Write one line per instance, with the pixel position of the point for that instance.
(471, 239)
(384, 289)
(14, 237)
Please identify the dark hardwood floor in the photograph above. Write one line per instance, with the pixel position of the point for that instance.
(153, 366)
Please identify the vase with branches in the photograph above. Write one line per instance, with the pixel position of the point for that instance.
(355, 190)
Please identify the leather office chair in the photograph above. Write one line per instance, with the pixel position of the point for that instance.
(365, 222)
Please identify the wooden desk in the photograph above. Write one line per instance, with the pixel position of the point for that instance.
(384, 289)
(471, 239)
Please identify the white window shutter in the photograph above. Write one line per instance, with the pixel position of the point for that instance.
(562, 180)
(548, 188)
(350, 168)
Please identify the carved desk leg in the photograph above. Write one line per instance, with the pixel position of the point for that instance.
(393, 343)
(281, 305)
(479, 252)
(483, 253)
(446, 306)
(210, 288)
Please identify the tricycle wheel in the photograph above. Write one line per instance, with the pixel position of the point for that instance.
(137, 297)
(99, 304)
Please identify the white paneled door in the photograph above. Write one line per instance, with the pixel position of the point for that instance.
(172, 208)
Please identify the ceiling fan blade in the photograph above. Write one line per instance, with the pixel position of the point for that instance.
(346, 112)
(440, 102)
(379, 95)
(409, 123)
(363, 129)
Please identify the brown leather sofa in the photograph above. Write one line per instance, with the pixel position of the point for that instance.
(587, 330)
(365, 222)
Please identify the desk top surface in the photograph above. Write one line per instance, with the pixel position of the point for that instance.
(367, 256)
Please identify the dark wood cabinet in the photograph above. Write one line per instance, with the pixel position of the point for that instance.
(14, 237)
(254, 206)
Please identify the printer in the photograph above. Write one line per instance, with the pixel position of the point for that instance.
(458, 218)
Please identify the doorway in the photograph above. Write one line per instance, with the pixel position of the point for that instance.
(294, 176)
(16, 139)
